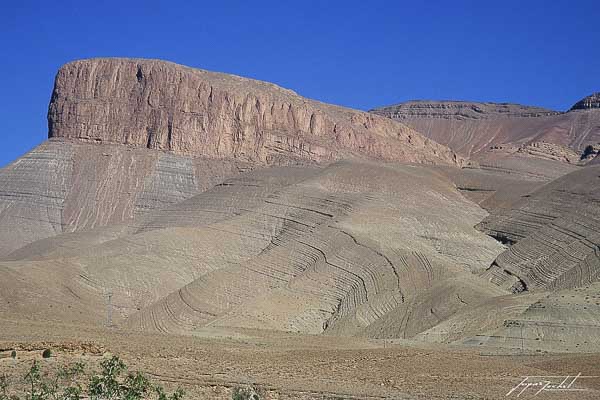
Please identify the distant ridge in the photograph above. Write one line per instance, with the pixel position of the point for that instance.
(475, 129)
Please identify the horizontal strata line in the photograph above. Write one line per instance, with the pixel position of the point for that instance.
(520, 322)
(300, 208)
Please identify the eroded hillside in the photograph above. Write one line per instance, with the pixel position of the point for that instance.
(200, 201)
(478, 130)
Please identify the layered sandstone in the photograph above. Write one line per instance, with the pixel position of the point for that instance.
(161, 105)
(472, 129)
(555, 235)
(65, 186)
(131, 136)
(355, 248)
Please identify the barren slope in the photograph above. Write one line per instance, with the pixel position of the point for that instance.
(65, 186)
(474, 129)
(556, 231)
(300, 249)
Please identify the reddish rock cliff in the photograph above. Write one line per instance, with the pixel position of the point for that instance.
(161, 105)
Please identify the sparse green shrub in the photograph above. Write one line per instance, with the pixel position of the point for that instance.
(245, 393)
(110, 384)
(4, 387)
(34, 380)
(135, 386)
(47, 353)
(105, 385)
(176, 395)
(589, 150)
(13, 354)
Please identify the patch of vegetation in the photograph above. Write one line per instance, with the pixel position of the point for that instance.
(69, 383)
(245, 393)
(13, 354)
(588, 151)
(47, 353)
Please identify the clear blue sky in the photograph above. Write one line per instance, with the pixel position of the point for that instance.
(359, 54)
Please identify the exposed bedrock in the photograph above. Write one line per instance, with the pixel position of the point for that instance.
(475, 129)
(131, 136)
(161, 105)
(347, 246)
(347, 249)
(556, 235)
(65, 186)
(589, 102)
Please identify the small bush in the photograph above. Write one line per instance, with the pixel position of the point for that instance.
(67, 384)
(588, 151)
(47, 353)
(3, 387)
(13, 354)
(245, 393)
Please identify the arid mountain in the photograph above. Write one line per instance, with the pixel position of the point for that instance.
(176, 201)
(477, 129)
(165, 106)
(127, 136)
(555, 233)
(344, 249)
(66, 185)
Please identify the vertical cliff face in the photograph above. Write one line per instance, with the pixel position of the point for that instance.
(160, 105)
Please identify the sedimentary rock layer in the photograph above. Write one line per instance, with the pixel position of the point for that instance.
(129, 136)
(161, 105)
(65, 186)
(556, 235)
(473, 129)
(345, 249)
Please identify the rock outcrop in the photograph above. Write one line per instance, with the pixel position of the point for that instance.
(590, 102)
(472, 129)
(355, 248)
(65, 186)
(207, 201)
(130, 136)
(555, 235)
(165, 106)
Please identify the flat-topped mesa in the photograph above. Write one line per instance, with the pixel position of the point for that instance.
(587, 103)
(161, 105)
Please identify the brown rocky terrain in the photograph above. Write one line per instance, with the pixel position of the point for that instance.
(128, 136)
(160, 105)
(474, 129)
(288, 248)
(64, 186)
(247, 235)
(556, 234)
(292, 366)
